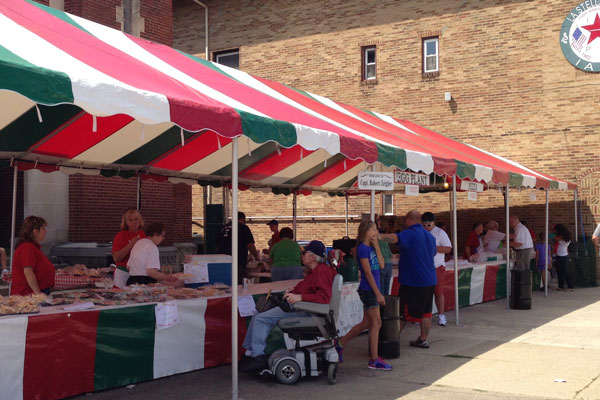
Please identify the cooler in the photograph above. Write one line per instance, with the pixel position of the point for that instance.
(218, 265)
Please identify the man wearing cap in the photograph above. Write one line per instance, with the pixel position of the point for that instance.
(443, 246)
(274, 227)
(416, 275)
(315, 288)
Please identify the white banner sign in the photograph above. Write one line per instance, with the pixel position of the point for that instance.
(472, 196)
(471, 186)
(411, 190)
(368, 180)
(411, 178)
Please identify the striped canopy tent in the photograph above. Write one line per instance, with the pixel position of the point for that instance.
(80, 97)
(83, 98)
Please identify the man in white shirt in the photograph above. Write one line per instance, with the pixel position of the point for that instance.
(443, 246)
(522, 243)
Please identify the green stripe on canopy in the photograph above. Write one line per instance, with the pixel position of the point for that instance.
(41, 85)
(124, 346)
(163, 143)
(108, 173)
(553, 185)
(261, 129)
(464, 170)
(249, 159)
(391, 156)
(58, 14)
(515, 179)
(27, 130)
(308, 174)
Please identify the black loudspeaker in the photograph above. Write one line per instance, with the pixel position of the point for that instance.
(214, 223)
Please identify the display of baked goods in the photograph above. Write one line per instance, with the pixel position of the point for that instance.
(82, 270)
(21, 304)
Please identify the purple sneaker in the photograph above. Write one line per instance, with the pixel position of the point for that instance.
(379, 364)
(340, 351)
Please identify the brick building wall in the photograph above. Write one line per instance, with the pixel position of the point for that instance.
(513, 92)
(96, 205)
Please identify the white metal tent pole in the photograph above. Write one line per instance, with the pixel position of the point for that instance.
(546, 247)
(454, 248)
(576, 230)
(507, 205)
(234, 269)
(294, 213)
(373, 205)
(346, 196)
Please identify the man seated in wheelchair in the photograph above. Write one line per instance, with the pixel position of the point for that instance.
(315, 288)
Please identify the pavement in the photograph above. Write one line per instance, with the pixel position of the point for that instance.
(549, 352)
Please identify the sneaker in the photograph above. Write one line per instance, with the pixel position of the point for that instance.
(340, 351)
(423, 344)
(442, 320)
(379, 364)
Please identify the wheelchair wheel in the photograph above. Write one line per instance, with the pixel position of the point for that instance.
(288, 371)
(332, 371)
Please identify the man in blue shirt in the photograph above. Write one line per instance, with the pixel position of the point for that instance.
(416, 275)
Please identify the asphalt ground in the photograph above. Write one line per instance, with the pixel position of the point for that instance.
(549, 352)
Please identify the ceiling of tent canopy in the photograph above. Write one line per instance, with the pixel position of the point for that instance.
(81, 97)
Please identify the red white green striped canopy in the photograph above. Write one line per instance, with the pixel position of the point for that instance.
(81, 97)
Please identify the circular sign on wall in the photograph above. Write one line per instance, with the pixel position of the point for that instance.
(580, 36)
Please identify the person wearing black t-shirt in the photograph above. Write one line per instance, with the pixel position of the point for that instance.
(245, 244)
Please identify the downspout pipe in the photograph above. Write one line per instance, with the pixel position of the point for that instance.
(201, 4)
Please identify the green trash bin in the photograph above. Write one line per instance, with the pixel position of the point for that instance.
(349, 271)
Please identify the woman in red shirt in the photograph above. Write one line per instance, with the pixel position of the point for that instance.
(473, 241)
(131, 231)
(32, 271)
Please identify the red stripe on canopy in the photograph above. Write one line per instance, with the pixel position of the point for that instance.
(332, 172)
(60, 351)
(274, 163)
(496, 162)
(427, 143)
(351, 145)
(190, 109)
(196, 148)
(234, 89)
(77, 137)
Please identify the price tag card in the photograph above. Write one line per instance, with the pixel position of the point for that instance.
(200, 272)
(532, 195)
(246, 306)
(167, 314)
(411, 190)
(472, 196)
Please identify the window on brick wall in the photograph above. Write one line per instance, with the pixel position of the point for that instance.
(230, 58)
(431, 55)
(388, 204)
(369, 63)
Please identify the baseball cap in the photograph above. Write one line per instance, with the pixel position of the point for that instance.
(316, 247)
(273, 222)
(428, 217)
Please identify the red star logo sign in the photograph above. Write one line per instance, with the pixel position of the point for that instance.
(594, 29)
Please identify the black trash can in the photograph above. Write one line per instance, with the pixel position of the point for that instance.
(520, 290)
(389, 334)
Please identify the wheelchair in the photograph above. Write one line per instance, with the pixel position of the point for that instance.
(319, 356)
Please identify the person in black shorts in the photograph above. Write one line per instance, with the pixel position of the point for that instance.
(416, 275)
